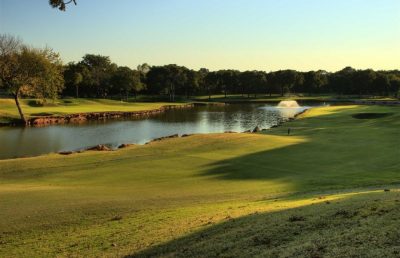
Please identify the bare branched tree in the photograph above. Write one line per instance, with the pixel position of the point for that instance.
(61, 4)
(29, 71)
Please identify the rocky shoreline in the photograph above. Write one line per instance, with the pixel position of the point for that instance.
(83, 117)
(103, 147)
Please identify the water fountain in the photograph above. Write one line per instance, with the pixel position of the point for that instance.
(289, 108)
(288, 104)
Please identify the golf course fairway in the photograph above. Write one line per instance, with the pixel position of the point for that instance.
(316, 192)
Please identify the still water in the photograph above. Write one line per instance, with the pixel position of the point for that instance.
(20, 142)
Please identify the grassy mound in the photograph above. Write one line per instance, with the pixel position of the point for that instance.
(188, 193)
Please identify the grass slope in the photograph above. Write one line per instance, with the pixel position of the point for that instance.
(218, 194)
(8, 109)
(356, 225)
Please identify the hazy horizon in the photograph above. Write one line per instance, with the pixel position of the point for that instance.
(244, 35)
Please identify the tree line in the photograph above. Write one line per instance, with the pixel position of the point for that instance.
(95, 76)
(40, 73)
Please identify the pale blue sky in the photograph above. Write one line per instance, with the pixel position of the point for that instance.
(217, 34)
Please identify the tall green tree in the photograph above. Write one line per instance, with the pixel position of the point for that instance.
(126, 80)
(287, 80)
(342, 81)
(73, 77)
(314, 82)
(211, 82)
(394, 79)
(191, 83)
(143, 68)
(228, 81)
(202, 73)
(100, 69)
(253, 82)
(168, 79)
(381, 84)
(363, 81)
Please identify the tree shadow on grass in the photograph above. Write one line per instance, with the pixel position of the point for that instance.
(362, 225)
(339, 152)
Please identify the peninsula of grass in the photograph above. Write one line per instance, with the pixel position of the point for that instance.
(31, 108)
(318, 192)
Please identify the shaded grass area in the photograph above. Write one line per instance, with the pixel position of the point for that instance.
(140, 200)
(361, 225)
(371, 115)
(31, 107)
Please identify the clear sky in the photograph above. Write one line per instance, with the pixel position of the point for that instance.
(217, 34)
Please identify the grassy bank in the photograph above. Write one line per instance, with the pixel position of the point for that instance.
(307, 194)
(9, 112)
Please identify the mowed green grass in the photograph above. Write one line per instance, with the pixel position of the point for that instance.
(220, 194)
(8, 109)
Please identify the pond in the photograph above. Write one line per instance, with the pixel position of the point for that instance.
(33, 141)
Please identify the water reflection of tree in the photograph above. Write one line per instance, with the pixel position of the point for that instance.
(180, 115)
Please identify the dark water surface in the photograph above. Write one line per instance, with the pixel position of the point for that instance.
(19, 142)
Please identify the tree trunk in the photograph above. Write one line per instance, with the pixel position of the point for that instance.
(21, 114)
(172, 94)
(77, 91)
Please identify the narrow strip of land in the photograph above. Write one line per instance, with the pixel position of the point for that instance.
(67, 107)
